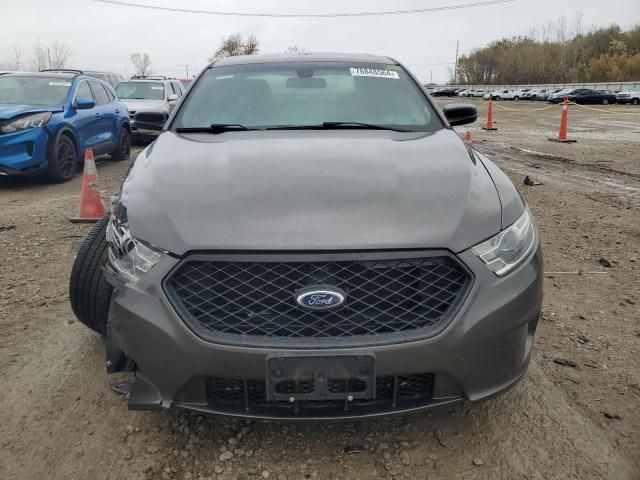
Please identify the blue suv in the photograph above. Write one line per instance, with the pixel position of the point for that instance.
(48, 119)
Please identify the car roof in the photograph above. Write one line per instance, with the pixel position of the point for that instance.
(156, 80)
(63, 75)
(305, 57)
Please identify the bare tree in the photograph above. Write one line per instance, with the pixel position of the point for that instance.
(17, 58)
(142, 63)
(234, 45)
(39, 58)
(58, 54)
(296, 49)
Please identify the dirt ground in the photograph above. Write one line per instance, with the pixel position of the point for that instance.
(576, 415)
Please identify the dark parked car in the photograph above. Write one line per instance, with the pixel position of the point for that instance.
(586, 95)
(310, 238)
(445, 92)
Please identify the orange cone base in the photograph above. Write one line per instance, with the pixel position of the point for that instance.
(84, 220)
(559, 140)
(490, 129)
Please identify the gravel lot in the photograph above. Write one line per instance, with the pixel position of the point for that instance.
(576, 414)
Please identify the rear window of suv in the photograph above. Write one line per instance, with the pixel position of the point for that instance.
(299, 94)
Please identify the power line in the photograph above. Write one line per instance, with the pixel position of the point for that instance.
(304, 15)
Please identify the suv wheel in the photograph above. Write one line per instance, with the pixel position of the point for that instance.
(89, 291)
(497, 97)
(635, 101)
(123, 149)
(63, 160)
(516, 97)
(605, 101)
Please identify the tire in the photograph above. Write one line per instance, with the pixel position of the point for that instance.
(63, 160)
(123, 149)
(635, 101)
(89, 291)
(516, 98)
(497, 97)
(605, 101)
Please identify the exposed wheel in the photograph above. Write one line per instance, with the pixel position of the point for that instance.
(516, 98)
(89, 291)
(605, 101)
(123, 149)
(497, 97)
(635, 101)
(63, 160)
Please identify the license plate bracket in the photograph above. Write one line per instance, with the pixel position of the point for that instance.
(342, 377)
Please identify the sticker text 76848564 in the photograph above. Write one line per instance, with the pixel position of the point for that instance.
(373, 72)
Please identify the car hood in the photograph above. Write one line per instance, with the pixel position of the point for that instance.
(138, 105)
(8, 111)
(310, 190)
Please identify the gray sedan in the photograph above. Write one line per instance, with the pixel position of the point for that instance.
(310, 238)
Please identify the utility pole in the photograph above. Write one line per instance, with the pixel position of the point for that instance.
(186, 67)
(431, 77)
(455, 69)
(49, 55)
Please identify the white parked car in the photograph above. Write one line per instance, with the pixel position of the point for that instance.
(629, 96)
(477, 93)
(503, 94)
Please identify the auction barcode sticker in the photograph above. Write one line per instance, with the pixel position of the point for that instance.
(374, 72)
(59, 84)
(157, 88)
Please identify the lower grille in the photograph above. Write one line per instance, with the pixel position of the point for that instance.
(254, 299)
(228, 395)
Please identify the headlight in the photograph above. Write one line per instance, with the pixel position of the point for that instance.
(36, 120)
(511, 246)
(130, 257)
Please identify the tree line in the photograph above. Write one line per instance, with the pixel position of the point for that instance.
(556, 53)
(55, 55)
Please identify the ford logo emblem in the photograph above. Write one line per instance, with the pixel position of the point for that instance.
(320, 297)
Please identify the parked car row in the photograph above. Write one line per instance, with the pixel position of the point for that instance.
(49, 118)
(553, 95)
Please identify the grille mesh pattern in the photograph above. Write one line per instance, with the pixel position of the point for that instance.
(257, 298)
(235, 395)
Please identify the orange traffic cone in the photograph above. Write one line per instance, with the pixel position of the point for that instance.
(467, 137)
(92, 208)
(489, 117)
(562, 133)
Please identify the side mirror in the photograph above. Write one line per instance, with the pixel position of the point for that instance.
(85, 103)
(460, 113)
(173, 97)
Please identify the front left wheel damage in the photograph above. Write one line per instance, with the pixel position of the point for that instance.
(90, 293)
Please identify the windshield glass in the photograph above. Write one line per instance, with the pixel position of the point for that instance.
(280, 95)
(33, 90)
(140, 91)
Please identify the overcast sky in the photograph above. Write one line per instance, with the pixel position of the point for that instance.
(102, 36)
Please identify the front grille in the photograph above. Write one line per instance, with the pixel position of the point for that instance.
(230, 395)
(249, 299)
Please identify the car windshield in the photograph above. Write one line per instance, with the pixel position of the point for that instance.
(140, 91)
(307, 94)
(32, 90)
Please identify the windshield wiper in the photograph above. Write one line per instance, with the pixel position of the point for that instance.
(368, 126)
(214, 128)
(338, 126)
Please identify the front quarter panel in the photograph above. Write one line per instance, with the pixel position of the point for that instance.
(512, 204)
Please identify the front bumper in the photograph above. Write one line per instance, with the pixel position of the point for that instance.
(484, 350)
(23, 152)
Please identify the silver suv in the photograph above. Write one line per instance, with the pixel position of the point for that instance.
(150, 100)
